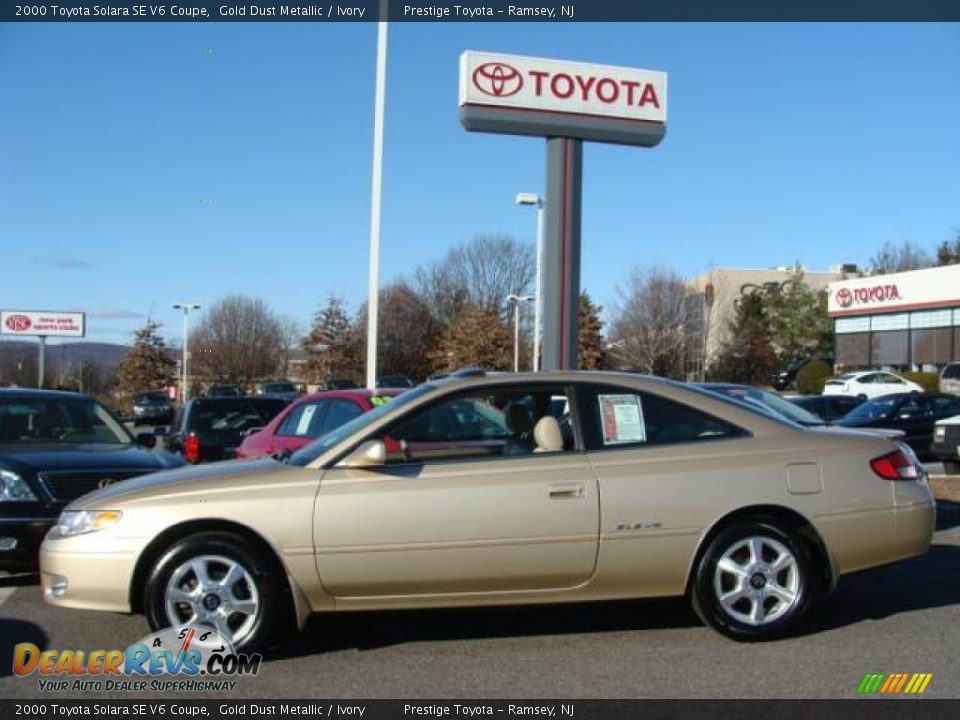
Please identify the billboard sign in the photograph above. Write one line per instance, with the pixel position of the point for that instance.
(48, 324)
(520, 95)
(930, 288)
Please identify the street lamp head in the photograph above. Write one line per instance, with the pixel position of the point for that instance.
(186, 306)
(519, 298)
(528, 198)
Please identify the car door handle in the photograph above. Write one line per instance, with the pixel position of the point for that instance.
(566, 491)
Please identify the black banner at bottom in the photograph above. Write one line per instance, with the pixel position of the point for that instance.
(865, 709)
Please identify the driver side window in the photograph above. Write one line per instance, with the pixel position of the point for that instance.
(490, 422)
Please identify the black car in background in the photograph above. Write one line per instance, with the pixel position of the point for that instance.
(827, 407)
(913, 413)
(208, 429)
(154, 406)
(55, 447)
(224, 391)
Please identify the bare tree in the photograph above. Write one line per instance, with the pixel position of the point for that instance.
(408, 332)
(652, 323)
(896, 258)
(239, 340)
(481, 272)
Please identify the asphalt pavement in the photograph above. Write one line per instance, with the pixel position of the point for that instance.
(902, 618)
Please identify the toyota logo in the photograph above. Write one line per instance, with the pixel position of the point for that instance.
(844, 298)
(18, 323)
(497, 79)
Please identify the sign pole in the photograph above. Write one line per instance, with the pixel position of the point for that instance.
(43, 349)
(561, 253)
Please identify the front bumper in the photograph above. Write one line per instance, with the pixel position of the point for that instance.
(83, 573)
(21, 537)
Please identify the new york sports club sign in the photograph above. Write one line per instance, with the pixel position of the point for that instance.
(554, 98)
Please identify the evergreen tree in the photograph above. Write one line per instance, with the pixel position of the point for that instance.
(591, 352)
(146, 366)
(476, 337)
(333, 345)
(748, 356)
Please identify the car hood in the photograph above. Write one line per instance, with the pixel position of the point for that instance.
(51, 457)
(955, 420)
(184, 479)
(888, 433)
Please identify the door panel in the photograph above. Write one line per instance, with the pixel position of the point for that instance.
(459, 526)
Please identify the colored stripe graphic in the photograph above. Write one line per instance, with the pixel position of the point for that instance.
(894, 683)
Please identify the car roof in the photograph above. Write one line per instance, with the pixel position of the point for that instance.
(351, 394)
(36, 393)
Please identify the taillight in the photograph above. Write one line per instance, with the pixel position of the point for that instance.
(894, 466)
(191, 448)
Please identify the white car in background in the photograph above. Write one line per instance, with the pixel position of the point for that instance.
(869, 384)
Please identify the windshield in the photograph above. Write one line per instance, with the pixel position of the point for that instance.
(878, 409)
(279, 388)
(951, 371)
(306, 455)
(62, 420)
(767, 402)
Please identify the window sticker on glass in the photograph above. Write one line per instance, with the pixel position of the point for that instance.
(622, 419)
(303, 426)
(378, 400)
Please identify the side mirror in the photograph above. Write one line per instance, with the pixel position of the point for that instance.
(371, 453)
(147, 440)
(251, 431)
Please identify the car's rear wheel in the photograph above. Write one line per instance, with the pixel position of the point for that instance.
(755, 581)
(219, 580)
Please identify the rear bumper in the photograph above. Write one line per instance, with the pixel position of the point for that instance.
(23, 536)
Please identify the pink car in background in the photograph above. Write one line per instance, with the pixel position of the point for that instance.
(310, 417)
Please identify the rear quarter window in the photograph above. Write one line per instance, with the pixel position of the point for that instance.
(621, 417)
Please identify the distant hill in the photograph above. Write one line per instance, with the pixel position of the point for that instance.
(105, 355)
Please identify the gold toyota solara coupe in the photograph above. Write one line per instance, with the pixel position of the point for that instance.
(496, 489)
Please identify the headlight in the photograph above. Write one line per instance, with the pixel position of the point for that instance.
(78, 522)
(940, 433)
(14, 488)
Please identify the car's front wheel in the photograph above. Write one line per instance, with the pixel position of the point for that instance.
(219, 580)
(755, 581)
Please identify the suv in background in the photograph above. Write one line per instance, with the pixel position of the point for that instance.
(950, 379)
(283, 389)
(154, 406)
(208, 429)
(224, 391)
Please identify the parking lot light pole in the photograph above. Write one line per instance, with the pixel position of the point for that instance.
(526, 198)
(373, 282)
(516, 300)
(186, 307)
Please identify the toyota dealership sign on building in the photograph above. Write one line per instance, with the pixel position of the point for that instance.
(912, 290)
(46, 324)
(536, 96)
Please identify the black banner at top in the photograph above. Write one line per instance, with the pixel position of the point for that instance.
(549, 11)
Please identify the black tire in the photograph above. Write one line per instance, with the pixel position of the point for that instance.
(270, 622)
(803, 579)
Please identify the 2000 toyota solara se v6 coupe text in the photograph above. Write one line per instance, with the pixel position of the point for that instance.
(504, 489)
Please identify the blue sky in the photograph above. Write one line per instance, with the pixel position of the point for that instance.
(141, 164)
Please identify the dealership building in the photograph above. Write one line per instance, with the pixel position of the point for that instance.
(907, 320)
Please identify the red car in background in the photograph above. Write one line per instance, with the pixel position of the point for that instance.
(310, 417)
